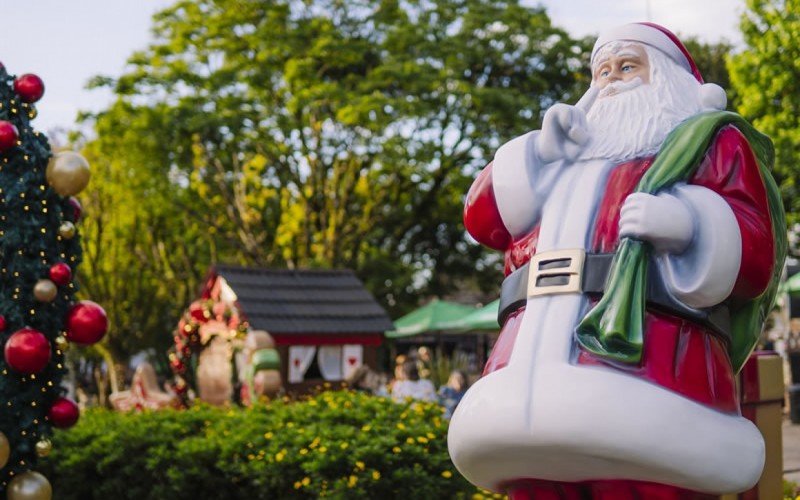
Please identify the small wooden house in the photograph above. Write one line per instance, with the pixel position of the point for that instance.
(325, 324)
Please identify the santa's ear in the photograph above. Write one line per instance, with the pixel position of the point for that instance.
(713, 97)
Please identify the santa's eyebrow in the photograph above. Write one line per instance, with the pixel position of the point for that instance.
(629, 54)
(602, 59)
(622, 54)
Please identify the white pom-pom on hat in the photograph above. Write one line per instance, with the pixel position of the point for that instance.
(713, 97)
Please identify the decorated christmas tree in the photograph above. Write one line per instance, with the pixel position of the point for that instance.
(39, 315)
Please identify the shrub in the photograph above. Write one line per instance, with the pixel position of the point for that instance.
(791, 491)
(336, 444)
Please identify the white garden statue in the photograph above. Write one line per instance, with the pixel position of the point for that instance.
(644, 238)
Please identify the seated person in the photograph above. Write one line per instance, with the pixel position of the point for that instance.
(411, 386)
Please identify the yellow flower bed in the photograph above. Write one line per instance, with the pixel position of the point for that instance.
(336, 444)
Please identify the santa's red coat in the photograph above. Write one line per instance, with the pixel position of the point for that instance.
(677, 354)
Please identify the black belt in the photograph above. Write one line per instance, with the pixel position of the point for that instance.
(574, 271)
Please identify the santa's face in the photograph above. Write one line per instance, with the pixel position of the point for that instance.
(641, 96)
(628, 65)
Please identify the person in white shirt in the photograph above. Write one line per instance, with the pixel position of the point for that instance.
(411, 386)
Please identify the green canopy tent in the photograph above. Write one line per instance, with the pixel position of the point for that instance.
(448, 323)
(482, 319)
(436, 316)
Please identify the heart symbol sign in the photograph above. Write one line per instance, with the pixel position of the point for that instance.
(352, 360)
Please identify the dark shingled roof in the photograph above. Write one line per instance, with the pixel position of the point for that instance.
(310, 301)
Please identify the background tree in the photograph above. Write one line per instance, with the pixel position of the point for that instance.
(315, 133)
(144, 254)
(767, 78)
(712, 60)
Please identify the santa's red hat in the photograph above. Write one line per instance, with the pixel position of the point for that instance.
(654, 35)
(664, 40)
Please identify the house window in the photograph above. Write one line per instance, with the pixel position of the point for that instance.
(329, 362)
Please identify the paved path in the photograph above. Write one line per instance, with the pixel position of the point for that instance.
(791, 451)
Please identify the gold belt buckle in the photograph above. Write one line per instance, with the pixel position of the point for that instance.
(556, 272)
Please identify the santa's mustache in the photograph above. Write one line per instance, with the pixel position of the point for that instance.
(619, 87)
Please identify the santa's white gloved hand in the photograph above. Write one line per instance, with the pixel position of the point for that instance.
(564, 133)
(663, 220)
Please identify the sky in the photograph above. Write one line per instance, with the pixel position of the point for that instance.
(68, 42)
(709, 20)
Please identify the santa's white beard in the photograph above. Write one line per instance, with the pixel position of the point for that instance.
(634, 122)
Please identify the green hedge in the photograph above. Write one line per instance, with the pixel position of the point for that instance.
(336, 444)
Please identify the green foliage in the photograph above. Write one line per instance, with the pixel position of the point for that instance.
(790, 490)
(442, 366)
(314, 133)
(335, 444)
(144, 254)
(766, 76)
(29, 245)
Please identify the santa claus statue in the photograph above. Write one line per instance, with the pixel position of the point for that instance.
(643, 239)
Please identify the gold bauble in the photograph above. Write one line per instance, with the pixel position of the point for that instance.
(62, 344)
(45, 291)
(68, 173)
(66, 230)
(30, 485)
(43, 447)
(5, 450)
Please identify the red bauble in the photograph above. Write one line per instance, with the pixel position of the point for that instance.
(60, 274)
(64, 413)
(77, 209)
(8, 135)
(29, 87)
(86, 323)
(27, 351)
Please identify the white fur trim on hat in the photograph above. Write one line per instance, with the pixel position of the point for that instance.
(643, 34)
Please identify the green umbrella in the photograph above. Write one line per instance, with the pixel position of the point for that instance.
(437, 315)
(484, 318)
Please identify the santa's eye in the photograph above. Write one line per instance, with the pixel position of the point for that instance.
(604, 73)
(627, 68)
